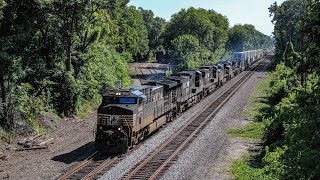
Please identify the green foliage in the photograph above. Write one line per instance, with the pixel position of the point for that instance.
(59, 56)
(187, 53)
(253, 130)
(283, 79)
(5, 136)
(133, 34)
(246, 37)
(100, 73)
(292, 134)
(242, 170)
(209, 27)
(2, 4)
(270, 167)
(290, 57)
(155, 27)
(286, 19)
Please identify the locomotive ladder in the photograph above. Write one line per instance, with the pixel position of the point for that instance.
(161, 159)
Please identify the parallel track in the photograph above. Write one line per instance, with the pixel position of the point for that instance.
(90, 168)
(161, 159)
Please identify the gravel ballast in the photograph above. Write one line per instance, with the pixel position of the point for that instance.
(198, 161)
(211, 152)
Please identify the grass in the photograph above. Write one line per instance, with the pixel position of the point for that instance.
(5, 136)
(7, 175)
(242, 170)
(252, 130)
(85, 109)
(247, 167)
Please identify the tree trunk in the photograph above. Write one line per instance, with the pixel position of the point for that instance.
(68, 63)
(3, 98)
(2, 86)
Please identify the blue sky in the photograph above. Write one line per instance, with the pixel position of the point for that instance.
(238, 11)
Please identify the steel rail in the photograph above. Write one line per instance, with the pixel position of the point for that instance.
(98, 169)
(83, 164)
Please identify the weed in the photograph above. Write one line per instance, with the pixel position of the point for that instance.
(252, 130)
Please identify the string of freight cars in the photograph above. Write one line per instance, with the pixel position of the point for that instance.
(128, 115)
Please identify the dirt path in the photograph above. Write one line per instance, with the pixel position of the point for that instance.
(73, 141)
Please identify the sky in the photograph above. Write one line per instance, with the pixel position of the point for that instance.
(253, 12)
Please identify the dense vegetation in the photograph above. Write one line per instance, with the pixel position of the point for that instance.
(198, 36)
(292, 115)
(60, 56)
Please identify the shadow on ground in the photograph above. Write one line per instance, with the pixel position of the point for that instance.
(76, 155)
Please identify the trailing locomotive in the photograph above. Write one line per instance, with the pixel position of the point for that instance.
(126, 116)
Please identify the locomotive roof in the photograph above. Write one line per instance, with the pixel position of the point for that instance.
(207, 65)
(187, 72)
(168, 83)
(204, 70)
(179, 79)
(138, 87)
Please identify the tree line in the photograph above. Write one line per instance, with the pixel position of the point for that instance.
(291, 143)
(60, 56)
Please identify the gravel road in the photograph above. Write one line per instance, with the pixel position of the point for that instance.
(202, 158)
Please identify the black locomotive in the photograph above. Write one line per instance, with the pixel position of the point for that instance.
(128, 115)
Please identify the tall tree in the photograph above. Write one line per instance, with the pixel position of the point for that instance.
(286, 18)
(206, 25)
(246, 37)
(155, 27)
(133, 34)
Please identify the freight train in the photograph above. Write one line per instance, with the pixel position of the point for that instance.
(126, 116)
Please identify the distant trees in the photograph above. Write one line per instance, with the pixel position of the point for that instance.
(246, 37)
(133, 34)
(205, 27)
(211, 30)
(208, 26)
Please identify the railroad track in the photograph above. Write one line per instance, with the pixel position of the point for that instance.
(90, 168)
(161, 159)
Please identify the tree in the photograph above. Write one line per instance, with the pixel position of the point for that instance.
(133, 34)
(187, 53)
(155, 27)
(209, 27)
(2, 4)
(246, 37)
(286, 18)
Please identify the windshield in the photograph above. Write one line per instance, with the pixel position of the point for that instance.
(119, 100)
